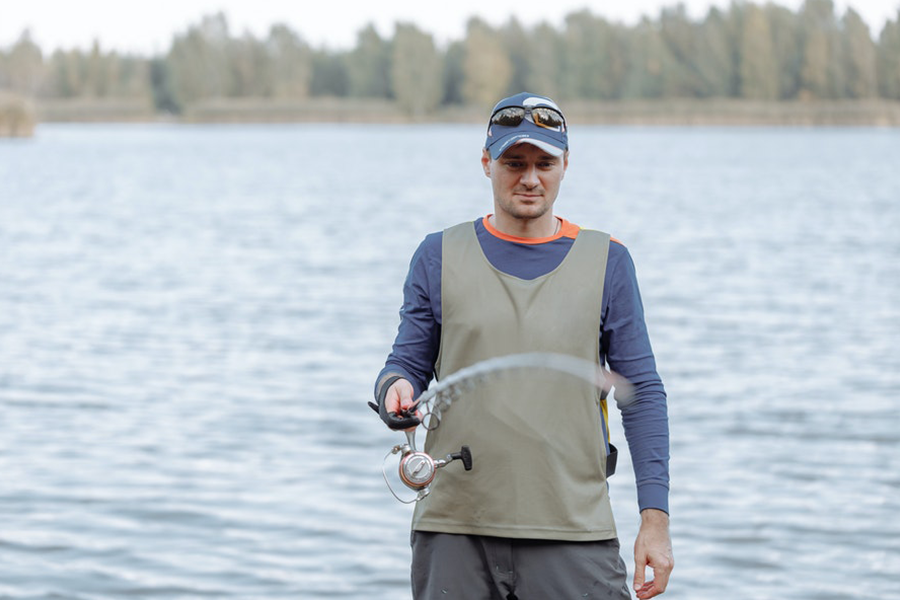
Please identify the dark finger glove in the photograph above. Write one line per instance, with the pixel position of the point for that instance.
(397, 421)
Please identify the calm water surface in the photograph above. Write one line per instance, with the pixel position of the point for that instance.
(191, 319)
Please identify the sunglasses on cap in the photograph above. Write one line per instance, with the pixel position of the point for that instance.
(542, 116)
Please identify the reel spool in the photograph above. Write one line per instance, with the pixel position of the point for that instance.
(418, 469)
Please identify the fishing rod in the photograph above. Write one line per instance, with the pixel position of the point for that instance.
(418, 469)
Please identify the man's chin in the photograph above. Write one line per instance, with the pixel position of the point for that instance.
(530, 212)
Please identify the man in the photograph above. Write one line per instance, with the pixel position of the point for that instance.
(532, 520)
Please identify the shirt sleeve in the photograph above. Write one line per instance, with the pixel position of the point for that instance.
(418, 338)
(625, 343)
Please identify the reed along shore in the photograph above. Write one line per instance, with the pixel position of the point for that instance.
(677, 112)
(17, 118)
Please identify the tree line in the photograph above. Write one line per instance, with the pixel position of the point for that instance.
(748, 51)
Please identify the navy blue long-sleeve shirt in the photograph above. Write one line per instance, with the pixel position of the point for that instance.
(624, 341)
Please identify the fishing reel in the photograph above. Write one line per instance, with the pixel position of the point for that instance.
(418, 469)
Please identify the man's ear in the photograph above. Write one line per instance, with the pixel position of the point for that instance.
(486, 162)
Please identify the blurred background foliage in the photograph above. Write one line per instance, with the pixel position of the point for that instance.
(749, 51)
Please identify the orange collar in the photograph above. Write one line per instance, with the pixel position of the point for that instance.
(566, 229)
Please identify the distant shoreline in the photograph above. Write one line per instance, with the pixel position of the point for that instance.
(717, 112)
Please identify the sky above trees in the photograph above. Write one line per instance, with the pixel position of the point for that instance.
(148, 27)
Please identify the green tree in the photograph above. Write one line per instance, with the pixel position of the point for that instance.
(517, 44)
(681, 77)
(818, 74)
(64, 75)
(487, 67)
(759, 70)
(594, 62)
(199, 61)
(329, 74)
(888, 60)
(650, 63)
(545, 61)
(164, 97)
(98, 72)
(369, 65)
(859, 57)
(787, 45)
(24, 66)
(291, 63)
(716, 56)
(131, 77)
(416, 75)
(250, 68)
(454, 74)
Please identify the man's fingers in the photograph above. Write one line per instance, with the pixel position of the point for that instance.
(639, 566)
(661, 576)
(648, 590)
(662, 567)
(392, 400)
(406, 399)
(392, 409)
(657, 585)
(405, 392)
(397, 396)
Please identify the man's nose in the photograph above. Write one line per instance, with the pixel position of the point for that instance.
(530, 178)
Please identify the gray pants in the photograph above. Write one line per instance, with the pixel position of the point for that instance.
(470, 567)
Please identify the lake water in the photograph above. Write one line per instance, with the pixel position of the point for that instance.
(191, 319)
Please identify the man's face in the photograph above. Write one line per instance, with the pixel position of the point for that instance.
(525, 180)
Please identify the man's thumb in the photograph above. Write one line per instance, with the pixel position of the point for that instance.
(639, 566)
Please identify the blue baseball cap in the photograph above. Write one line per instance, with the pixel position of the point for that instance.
(500, 138)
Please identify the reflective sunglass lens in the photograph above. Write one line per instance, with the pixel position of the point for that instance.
(508, 117)
(546, 117)
(513, 116)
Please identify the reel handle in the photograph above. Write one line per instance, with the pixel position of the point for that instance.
(465, 455)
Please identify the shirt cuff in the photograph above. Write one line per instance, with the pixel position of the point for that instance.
(392, 370)
(653, 495)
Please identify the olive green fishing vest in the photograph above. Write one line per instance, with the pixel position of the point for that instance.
(536, 437)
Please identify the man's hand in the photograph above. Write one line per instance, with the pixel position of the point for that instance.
(399, 398)
(653, 548)
(395, 409)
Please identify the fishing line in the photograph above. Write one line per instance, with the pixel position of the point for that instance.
(418, 469)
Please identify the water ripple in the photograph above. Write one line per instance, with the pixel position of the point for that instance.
(192, 318)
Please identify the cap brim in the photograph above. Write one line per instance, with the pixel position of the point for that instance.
(548, 148)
